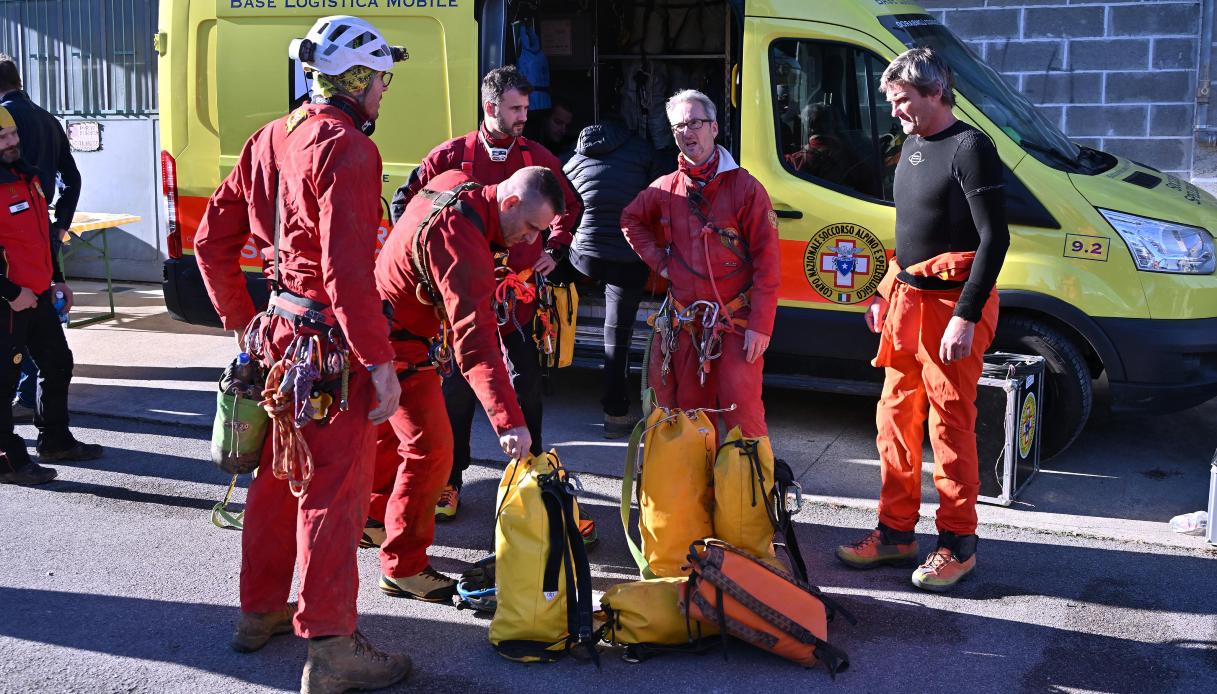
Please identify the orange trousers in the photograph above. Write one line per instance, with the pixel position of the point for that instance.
(919, 385)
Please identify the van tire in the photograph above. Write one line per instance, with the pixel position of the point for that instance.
(1068, 390)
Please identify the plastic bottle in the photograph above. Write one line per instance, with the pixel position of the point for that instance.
(61, 303)
(244, 375)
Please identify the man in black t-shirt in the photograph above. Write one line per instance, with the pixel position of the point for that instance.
(936, 311)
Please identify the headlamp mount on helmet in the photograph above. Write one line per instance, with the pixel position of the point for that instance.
(337, 43)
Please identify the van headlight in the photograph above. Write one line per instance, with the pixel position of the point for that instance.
(1159, 246)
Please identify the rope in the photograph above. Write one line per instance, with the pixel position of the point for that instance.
(292, 459)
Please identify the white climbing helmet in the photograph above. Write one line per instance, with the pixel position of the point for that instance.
(337, 43)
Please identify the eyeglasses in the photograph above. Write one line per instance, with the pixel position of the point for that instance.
(695, 124)
(386, 78)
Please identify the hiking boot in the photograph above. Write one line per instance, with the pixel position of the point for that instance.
(587, 530)
(28, 475)
(882, 547)
(617, 427)
(373, 534)
(21, 413)
(942, 570)
(949, 564)
(257, 628)
(429, 586)
(340, 663)
(449, 500)
(77, 451)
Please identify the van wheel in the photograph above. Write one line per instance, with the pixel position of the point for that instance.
(1068, 391)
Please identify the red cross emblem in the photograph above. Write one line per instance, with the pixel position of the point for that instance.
(845, 263)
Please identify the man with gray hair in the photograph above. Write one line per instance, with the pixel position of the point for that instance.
(936, 311)
(710, 229)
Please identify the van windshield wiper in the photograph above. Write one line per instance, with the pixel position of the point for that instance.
(1050, 151)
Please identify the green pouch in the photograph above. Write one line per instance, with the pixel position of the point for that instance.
(238, 433)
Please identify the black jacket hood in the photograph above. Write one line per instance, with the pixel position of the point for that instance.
(599, 139)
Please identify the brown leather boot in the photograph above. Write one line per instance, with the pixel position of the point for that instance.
(339, 663)
(256, 628)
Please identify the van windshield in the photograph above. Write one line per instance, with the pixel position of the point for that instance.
(985, 88)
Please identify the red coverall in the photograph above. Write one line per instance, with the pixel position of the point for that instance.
(329, 173)
(667, 235)
(408, 484)
(918, 383)
(455, 154)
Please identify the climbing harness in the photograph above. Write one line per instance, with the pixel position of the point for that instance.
(704, 320)
(427, 292)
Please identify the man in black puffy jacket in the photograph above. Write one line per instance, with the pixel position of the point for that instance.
(610, 167)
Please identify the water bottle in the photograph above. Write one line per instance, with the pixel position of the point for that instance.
(61, 306)
(244, 376)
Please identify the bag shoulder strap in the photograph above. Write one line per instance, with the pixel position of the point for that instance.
(469, 152)
(440, 201)
(782, 517)
(566, 546)
(627, 496)
(524, 150)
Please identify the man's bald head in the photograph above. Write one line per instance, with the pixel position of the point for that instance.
(528, 203)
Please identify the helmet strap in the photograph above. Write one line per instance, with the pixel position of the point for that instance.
(350, 106)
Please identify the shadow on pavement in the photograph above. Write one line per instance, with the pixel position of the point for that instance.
(106, 491)
(205, 374)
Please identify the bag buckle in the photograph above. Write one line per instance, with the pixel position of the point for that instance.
(794, 498)
(573, 485)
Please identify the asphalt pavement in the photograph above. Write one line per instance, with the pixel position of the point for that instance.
(112, 579)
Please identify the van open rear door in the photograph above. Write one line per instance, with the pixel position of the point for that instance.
(233, 75)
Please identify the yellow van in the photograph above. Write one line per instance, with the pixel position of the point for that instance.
(1110, 274)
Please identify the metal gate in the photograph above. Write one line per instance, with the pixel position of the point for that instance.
(84, 57)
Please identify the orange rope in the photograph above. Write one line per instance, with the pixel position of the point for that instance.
(291, 458)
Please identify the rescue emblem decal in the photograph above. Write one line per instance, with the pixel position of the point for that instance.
(773, 219)
(844, 263)
(1028, 420)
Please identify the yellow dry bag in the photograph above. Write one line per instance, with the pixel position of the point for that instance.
(542, 575)
(645, 619)
(744, 487)
(674, 492)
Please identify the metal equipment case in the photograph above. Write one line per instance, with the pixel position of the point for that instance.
(1009, 403)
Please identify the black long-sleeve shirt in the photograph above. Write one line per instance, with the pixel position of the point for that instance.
(949, 198)
(44, 144)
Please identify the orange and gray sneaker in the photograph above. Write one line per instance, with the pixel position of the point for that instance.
(449, 500)
(587, 529)
(949, 564)
(881, 547)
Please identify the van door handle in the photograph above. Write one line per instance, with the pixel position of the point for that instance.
(788, 214)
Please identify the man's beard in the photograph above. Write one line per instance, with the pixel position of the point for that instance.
(10, 155)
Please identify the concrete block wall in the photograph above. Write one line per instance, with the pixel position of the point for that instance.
(1120, 76)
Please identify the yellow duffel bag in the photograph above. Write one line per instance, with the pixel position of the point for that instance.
(674, 493)
(744, 494)
(542, 577)
(645, 619)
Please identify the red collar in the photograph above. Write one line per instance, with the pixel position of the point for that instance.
(504, 142)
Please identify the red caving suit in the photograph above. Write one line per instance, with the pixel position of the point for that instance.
(408, 483)
(665, 232)
(329, 174)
